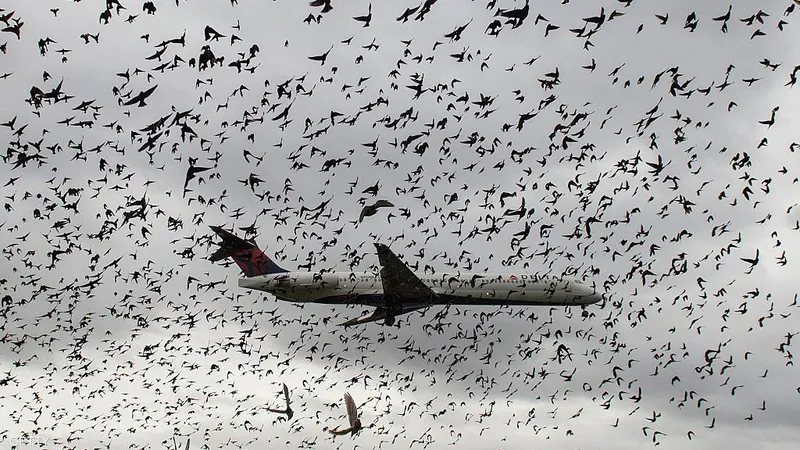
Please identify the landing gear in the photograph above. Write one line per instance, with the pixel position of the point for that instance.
(388, 320)
(584, 312)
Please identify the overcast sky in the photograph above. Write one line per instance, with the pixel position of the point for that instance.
(117, 331)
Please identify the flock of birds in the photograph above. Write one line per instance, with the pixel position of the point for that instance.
(504, 136)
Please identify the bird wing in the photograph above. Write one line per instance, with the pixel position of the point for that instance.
(148, 92)
(383, 204)
(141, 97)
(364, 213)
(286, 394)
(352, 412)
(398, 279)
(132, 100)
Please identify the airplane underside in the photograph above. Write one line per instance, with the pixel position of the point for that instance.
(377, 300)
(388, 310)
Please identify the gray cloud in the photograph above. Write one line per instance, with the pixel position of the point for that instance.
(166, 345)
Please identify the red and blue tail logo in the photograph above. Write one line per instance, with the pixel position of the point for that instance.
(255, 262)
(245, 254)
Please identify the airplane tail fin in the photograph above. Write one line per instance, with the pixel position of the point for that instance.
(251, 259)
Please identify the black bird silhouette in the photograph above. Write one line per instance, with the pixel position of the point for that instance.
(455, 35)
(10, 123)
(771, 121)
(288, 411)
(372, 190)
(408, 13)
(15, 29)
(515, 16)
(321, 58)
(370, 210)
(326, 5)
(141, 97)
(724, 19)
(191, 173)
(212, 34)
(752, 261)
(366, 19)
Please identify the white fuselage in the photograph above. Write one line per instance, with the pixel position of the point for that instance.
(468, 289)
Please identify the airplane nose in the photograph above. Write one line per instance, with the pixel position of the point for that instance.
(592, 298)
(587, 295)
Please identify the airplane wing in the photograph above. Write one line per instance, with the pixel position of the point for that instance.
(398, 280)
(403, 291)
(378, 314)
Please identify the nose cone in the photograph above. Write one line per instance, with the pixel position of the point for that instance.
(586, 295)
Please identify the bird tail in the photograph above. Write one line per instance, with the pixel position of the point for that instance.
(251, 259)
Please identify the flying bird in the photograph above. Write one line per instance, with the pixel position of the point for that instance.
(370, 210)
(326, 5)
(321, 58)
(139, 99)
(288, 411)
(352, 417)
(190, 174)
(367, 18)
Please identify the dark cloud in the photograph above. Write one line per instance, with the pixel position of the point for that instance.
(120, 331)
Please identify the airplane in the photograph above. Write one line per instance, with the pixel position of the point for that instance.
(396, 290)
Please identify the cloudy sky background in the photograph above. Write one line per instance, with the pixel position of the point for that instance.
(155, 351)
